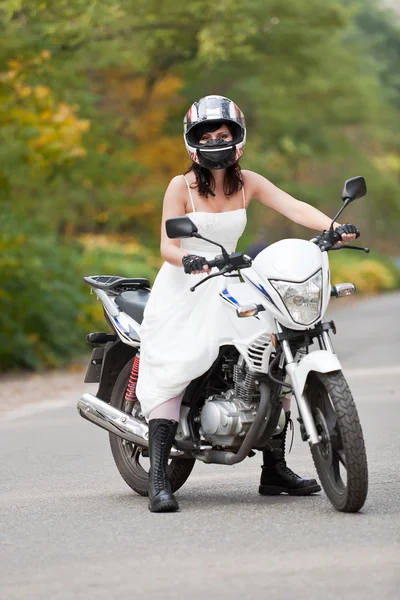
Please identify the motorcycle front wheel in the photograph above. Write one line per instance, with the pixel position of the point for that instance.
(340, 458)
(129, 459)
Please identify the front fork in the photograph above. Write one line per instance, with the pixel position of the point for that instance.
(304, 409)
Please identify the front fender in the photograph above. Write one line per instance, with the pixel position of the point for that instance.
(321, 361)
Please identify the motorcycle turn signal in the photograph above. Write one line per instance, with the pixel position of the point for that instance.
(249, 310)
(343, 289)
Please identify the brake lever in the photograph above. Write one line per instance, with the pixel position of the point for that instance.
(366, 250)
(222, 272)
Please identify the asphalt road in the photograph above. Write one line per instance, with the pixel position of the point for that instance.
(71, 528)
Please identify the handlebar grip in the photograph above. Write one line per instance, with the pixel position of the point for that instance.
(338, 236)
(235, 261)
(219, 262)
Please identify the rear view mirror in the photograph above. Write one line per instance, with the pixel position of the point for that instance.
(180, 227)
(354, 188)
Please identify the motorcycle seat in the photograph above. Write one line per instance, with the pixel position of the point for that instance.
(133, 303)
(115, 283)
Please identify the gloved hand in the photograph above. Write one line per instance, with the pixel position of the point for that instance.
(322, 242)
(194, 264)
(347, 232)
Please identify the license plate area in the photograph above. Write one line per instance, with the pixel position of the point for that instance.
(94, 367)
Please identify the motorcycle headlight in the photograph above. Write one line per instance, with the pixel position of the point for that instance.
(302, 300)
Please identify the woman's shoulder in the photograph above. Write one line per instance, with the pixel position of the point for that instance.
(177, 182)
(251, 181)
(250, 176)
(176, 194)
(177, 186)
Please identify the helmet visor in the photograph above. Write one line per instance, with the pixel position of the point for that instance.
(197, 131)
(211, 109)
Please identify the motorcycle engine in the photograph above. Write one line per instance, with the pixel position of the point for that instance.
(226, 418)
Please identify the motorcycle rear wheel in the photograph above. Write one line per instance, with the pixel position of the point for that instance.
(340, 459)
(128, 456)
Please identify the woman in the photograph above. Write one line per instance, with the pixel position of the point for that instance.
(178, 333)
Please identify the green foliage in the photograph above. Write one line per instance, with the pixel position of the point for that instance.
(40, 134)
(369, 274)
(45, 308)
(307, 74)
(117, 258)
(92, 95)
(41, 301)
(378, 30)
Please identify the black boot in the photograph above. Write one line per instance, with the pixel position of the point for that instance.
(277, 478)
(161, 438)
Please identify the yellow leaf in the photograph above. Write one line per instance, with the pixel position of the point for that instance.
(14, 64)
(41, 91)
(24, 90)
(102, 148)
(8, 75)
(77, 152)
(83, 124)
(102, 217)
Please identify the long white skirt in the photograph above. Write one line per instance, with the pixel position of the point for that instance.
(180, 334)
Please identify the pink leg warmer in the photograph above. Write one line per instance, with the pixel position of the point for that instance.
(168, 410)
(286, 404)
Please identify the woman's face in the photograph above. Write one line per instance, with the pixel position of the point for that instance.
(222, 133)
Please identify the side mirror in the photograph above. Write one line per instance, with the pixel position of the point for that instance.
(354, 188)
(180, 227)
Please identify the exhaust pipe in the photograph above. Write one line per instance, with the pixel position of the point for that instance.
(115, 421)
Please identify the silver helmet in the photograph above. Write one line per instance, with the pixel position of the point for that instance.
(216, 154)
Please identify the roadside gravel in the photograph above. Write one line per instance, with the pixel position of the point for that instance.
(21, 389)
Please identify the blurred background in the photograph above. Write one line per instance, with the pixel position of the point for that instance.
(92, 97)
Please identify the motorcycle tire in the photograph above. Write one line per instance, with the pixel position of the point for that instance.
(127, 455)
(340, 458)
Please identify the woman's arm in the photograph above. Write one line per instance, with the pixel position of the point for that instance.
(173, 206)
(300, 212)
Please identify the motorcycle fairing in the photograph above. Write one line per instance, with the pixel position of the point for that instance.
(290, 260)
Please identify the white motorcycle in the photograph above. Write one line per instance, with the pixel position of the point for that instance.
(277, 309)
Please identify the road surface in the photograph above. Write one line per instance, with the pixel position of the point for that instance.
(71, 528)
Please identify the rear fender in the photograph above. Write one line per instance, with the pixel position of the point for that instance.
(110, 360)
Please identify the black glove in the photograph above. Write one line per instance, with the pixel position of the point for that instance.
(191, 263)
(322, 242)
(347, 228)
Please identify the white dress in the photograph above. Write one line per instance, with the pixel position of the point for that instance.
(181, 329)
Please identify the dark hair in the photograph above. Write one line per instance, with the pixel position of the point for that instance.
(204, 178)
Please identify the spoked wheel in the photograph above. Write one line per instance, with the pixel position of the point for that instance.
(132, 465)
(340, 458)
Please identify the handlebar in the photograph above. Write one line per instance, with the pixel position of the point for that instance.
(328, 239)
(225, 265)
(219, 262)
(234, 261)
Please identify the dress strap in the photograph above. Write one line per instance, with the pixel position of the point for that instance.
(244, 197)
(190, 193)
